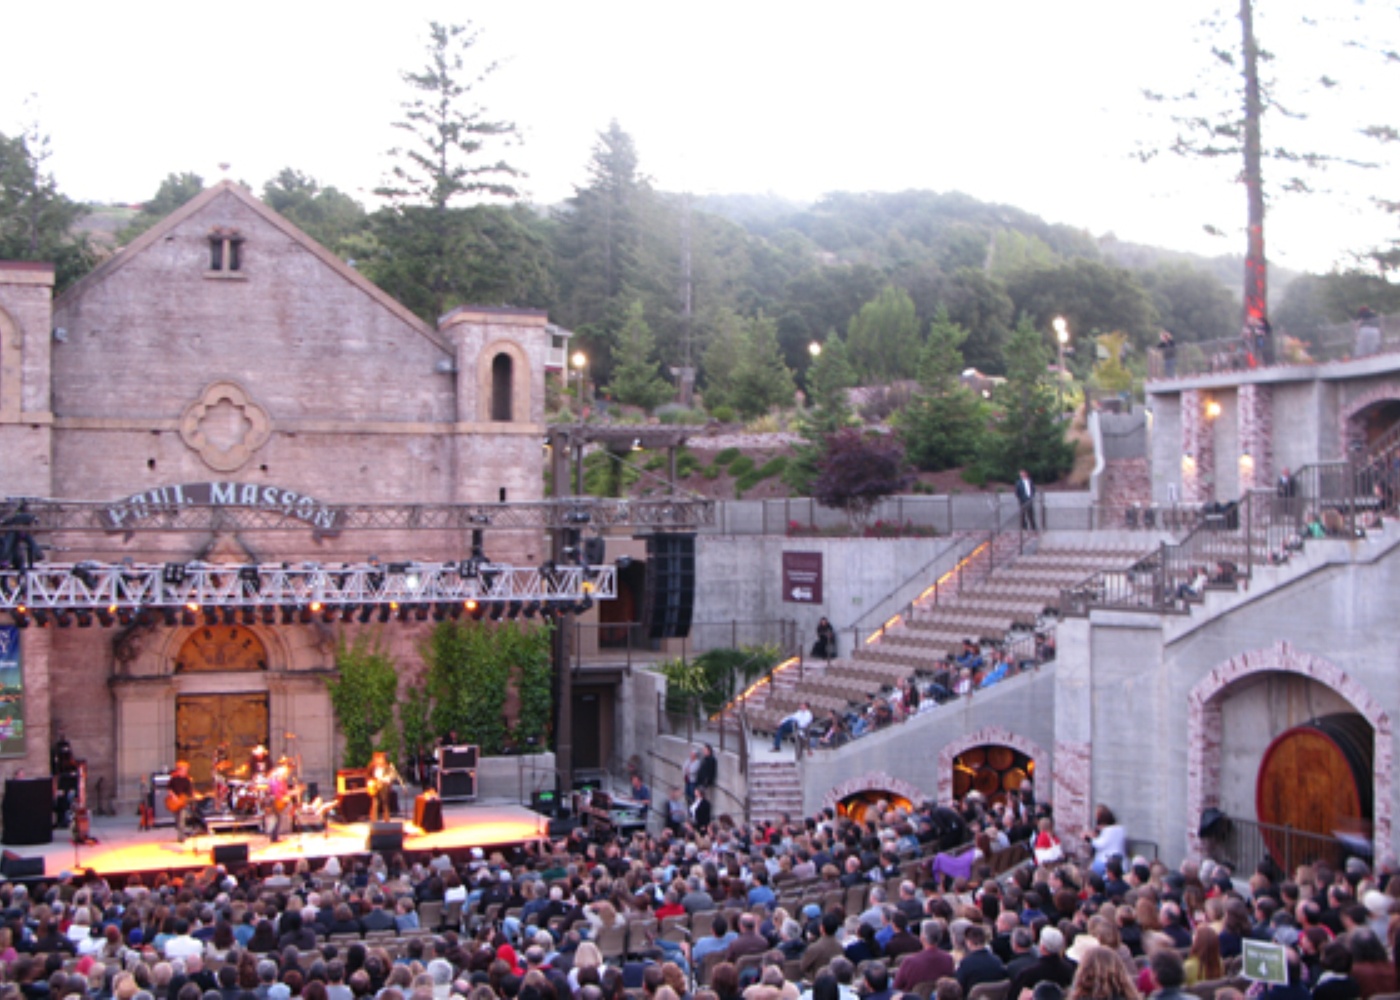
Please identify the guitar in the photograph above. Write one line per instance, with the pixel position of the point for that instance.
(175, 801)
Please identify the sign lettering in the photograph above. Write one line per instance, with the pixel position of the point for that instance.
(802, 577)
(139, 507)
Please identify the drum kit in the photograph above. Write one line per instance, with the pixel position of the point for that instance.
(240, 792)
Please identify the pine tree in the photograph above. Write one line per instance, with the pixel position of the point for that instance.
(941, 427)
(36, 221)
(761, 379)
(636, 380)
(830, 377)
(1029, 436)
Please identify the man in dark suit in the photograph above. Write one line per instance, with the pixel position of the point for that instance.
(979, 965)
(377, 919)
(823, 949)
(700, 809)
(1025, 496)
(1052, 966)
(877, 982)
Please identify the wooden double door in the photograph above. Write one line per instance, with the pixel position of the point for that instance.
(205, 722)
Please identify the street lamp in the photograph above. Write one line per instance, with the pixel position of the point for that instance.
(1061, 339)
(580, 362)
(815, 350)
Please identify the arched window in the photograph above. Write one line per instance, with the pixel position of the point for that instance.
(502, 369)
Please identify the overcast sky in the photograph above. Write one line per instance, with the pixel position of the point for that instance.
(1020, 102)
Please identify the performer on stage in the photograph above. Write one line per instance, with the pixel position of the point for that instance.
(382, 776)
(179, 796)
(281, 797)
(259, 763)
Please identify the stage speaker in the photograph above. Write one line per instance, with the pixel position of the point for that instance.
(385, 837)
(28, 811)
(670, 597)
(353, 807)
(351, 779)
(545, 802)
(427, 813)
(461, 758)
(230, 854)
(14, 866)
(562, 827)
(456, 785)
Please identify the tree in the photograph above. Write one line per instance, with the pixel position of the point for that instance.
(941, 427)
(636, 380)
(1028, 435)
(328, 215)
(828, 380)
(979, 304)
(883, 337)
(1190, 303)
(760, 380)
(858, 470)
(363, 698)
(1095, 298)
(174, 191)
(429, 254)
(36, 221)
(1109, 373)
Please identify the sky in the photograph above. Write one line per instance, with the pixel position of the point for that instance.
(1021, 102)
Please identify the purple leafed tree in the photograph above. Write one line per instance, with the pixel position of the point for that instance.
(858, 470)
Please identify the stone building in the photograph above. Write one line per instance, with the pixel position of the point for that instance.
(224, 353)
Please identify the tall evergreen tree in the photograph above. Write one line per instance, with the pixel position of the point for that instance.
(941, 427)
(635, 379)
(761, 380)
(1029, 436)
(883, 337)
(829, 410)
(36, 221)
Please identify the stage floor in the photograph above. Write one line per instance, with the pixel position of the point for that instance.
(122, 848)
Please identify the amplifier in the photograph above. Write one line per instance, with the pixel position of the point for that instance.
(456, 785)
(351, 779)
(458, 758)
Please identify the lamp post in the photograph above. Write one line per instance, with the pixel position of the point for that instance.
(1061, 339)
(815, 350)
(580, 362)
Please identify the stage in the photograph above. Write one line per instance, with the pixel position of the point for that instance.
(122, 848)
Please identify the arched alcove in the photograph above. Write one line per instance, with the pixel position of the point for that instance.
(501, 368)
(992, 736)
(503, 383)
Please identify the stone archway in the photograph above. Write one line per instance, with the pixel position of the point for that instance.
(873, 781)
(1350, 426)
(990, 736)
(1205, 732)
(515, 381)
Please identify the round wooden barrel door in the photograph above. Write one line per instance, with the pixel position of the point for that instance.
(992, 771)
(1315, 778)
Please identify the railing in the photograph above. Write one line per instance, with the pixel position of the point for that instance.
(887, 613)
(630, 643)
(1327, 500)
(1246, 843)
(659, 802)
(1233, 354)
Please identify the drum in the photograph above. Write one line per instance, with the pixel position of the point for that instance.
(246, 799)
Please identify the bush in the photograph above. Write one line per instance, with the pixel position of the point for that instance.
(975, 475)
(678, 415)
(686, 463)
(775, 466)
(724, 414)
(726, 456)
(741, 466)
(711, 472)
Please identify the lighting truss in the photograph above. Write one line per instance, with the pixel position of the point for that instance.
(147, 512)
(111, 589)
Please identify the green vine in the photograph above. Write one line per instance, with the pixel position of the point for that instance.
(471, 668)
(715, 676)
(363, 698)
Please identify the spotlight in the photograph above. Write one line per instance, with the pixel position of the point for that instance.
(469, 605)
(145, 616)
(21, 614)
(497, 609)
(41, 617)
(192, 607)
(304, 615)
(269, 614)
(171, 616)
(173, 574)
(398, 569)
(230, 615)
(84, 575)
(125, 617)
(488, 579)
(623, 562)
(468, 569)
(577, 516)
(439, 612)
(385, 610)
(584, 604)
(289, 613)
(251, 579)
(250, 616)
(105, 618)
(477, 612)
(316, 607)
(513, 612)
(365, 613)
(187, 617)
(532, 609)
(420, 612)
(84, 618)
(595, 550)
(211, 616)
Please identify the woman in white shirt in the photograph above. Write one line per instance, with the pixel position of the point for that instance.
(1110, 839)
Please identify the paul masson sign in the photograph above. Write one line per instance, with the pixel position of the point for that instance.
(139, 507)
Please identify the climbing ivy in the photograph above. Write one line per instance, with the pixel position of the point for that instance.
(363, 698)
(471, 667)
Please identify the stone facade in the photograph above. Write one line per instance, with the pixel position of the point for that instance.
(289, 371)
(1197, 449)
(1256, 431)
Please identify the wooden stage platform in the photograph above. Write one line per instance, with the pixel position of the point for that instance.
(124, 849)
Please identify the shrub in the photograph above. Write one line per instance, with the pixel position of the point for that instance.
(711, 472)
(726, 456)
(686, 463)
(740, 466)
(724, 414)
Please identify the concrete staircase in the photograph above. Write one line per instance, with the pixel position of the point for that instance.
(1127, 481)
(990, 606)
(775, 787)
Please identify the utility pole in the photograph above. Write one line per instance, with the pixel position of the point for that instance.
(1256, 267)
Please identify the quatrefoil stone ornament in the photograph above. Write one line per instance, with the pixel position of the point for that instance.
(225, 426)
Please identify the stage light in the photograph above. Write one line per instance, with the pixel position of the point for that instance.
(477, 612)
(173, 574)
(531, 609)
(21, 614)
(469, 605)
(125, 617)
(304, 615)
(488, 579)
(467, 570)
(289, 614)
(365, 613)
(420, 612)
(145, 616)
(513, 612)
(171, 616)
(192, 607)
(269, 614)
(497, 609)
(316, 607)
(587, 586)
(398, 569)
(439, 612)
(385, 610)
(105, 617)
(230, 615)
(250, 616)
(187, 617)
(251, 579)
(577, 516)
(84, 575)
(41, 617)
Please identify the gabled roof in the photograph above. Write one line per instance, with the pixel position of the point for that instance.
(197, 204)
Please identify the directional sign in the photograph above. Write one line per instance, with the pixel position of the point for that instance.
(1265, 962)
(802, 577)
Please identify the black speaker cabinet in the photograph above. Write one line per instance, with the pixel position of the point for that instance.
(562, 827)
(14, 866)
(670, 597)
(456, 785)
(427, 813)
(230, 854)
(353, 806)
(462, 758)
(28, 811)
(385, 837)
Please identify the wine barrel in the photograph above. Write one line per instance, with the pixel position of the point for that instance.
(1315, 778)
(1013, 779)
(1001, 758)
(962, 781)
(986, 781)
(975, 757)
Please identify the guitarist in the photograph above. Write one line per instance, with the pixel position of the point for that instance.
(382, 776)
(179, 795)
